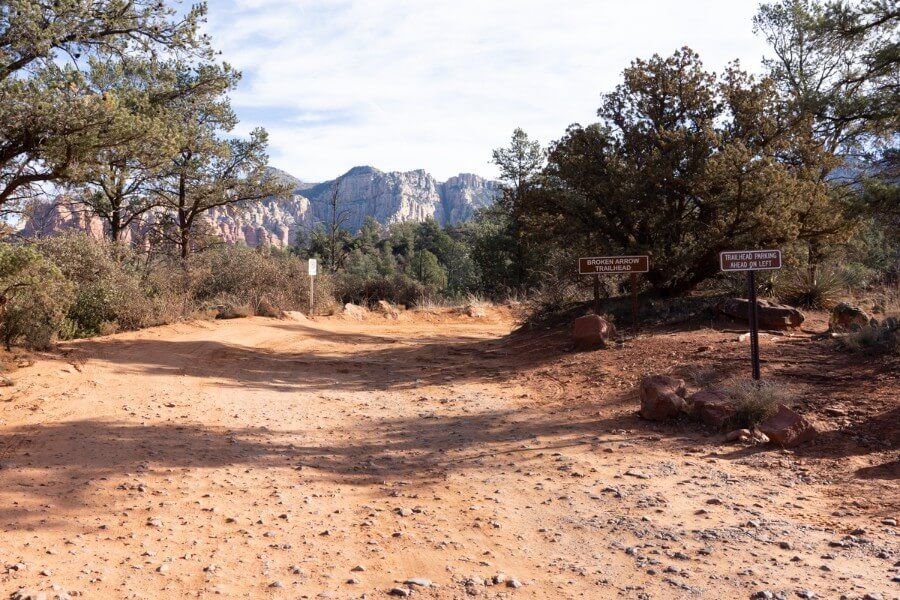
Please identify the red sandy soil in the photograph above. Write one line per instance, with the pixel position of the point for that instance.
(332, 458)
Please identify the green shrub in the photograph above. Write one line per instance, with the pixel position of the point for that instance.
(264, 279)
(425, 268)
(34, 297)
(113, 285)
(820, 291)
(754, 401)
(875, 338)
(397, 289)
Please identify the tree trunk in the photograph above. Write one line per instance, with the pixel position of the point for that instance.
(184, 223)
(115, 225)
(185, 242)
(812, 259)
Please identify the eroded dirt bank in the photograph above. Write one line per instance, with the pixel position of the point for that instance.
(337, 459)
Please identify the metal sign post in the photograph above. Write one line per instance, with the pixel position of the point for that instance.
(313, 268)
(634, 301)
(615, 265)
(751, 261)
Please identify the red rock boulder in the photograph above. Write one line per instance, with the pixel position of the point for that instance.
(662, 397)
(787, 428)
(771, 315)
(845, 317)
(590, 332)
(712, 409)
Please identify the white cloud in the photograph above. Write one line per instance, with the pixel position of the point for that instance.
(436, 84)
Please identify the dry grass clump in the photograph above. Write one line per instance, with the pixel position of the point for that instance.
(875, 338)
(705, 377)
(755, 401)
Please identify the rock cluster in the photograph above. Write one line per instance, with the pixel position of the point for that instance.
(664, 398)
(771, 315)
(845, 317)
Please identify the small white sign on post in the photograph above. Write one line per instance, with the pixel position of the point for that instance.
(313, 268)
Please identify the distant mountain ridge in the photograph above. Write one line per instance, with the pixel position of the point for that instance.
(389, 197)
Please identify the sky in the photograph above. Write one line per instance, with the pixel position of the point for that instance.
(437, 84)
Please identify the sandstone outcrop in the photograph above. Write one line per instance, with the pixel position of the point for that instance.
(362, 192)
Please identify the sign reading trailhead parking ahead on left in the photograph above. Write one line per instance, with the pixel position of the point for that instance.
(613, 265)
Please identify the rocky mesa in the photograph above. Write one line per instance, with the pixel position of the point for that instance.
(389, 197)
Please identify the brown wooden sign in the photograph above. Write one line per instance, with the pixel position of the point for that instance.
(750, 260)
(613, 265)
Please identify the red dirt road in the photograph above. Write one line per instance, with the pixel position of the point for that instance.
(330, 458)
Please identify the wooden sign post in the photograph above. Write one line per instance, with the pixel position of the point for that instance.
(313, 269)
(615, 265)
(751, 261)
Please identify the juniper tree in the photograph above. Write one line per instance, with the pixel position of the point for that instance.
(682, 165)
(49, 117)
(209, 169)
(837, 66)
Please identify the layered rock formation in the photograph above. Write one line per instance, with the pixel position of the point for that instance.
(361, 192)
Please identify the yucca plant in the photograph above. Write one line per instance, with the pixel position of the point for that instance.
(816, 291)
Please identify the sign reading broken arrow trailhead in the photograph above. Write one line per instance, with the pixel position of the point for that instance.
(613, 265)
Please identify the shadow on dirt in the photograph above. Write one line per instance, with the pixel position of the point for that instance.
(61, 464)
(378, 362)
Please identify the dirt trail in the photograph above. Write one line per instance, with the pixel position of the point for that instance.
(336, 459)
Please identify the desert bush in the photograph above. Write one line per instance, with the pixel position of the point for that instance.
(264, 279)
(111, 286)
(34, 297)
(875, 338)
(397, 289)
(735, 284)
(754, 401)
(811, 290)
(74, 286)
(554, 295)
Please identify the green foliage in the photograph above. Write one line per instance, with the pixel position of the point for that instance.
(439, 261)
(817, 290)
(680, 171)
(211, 170)
(493, 251)
(262, 279)
(875, 338)
(34, 297)
(75, 286)
(397, 289)
(51, 119)
(520, 166)
(836, 62)
(425, 268)
(111, 285)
